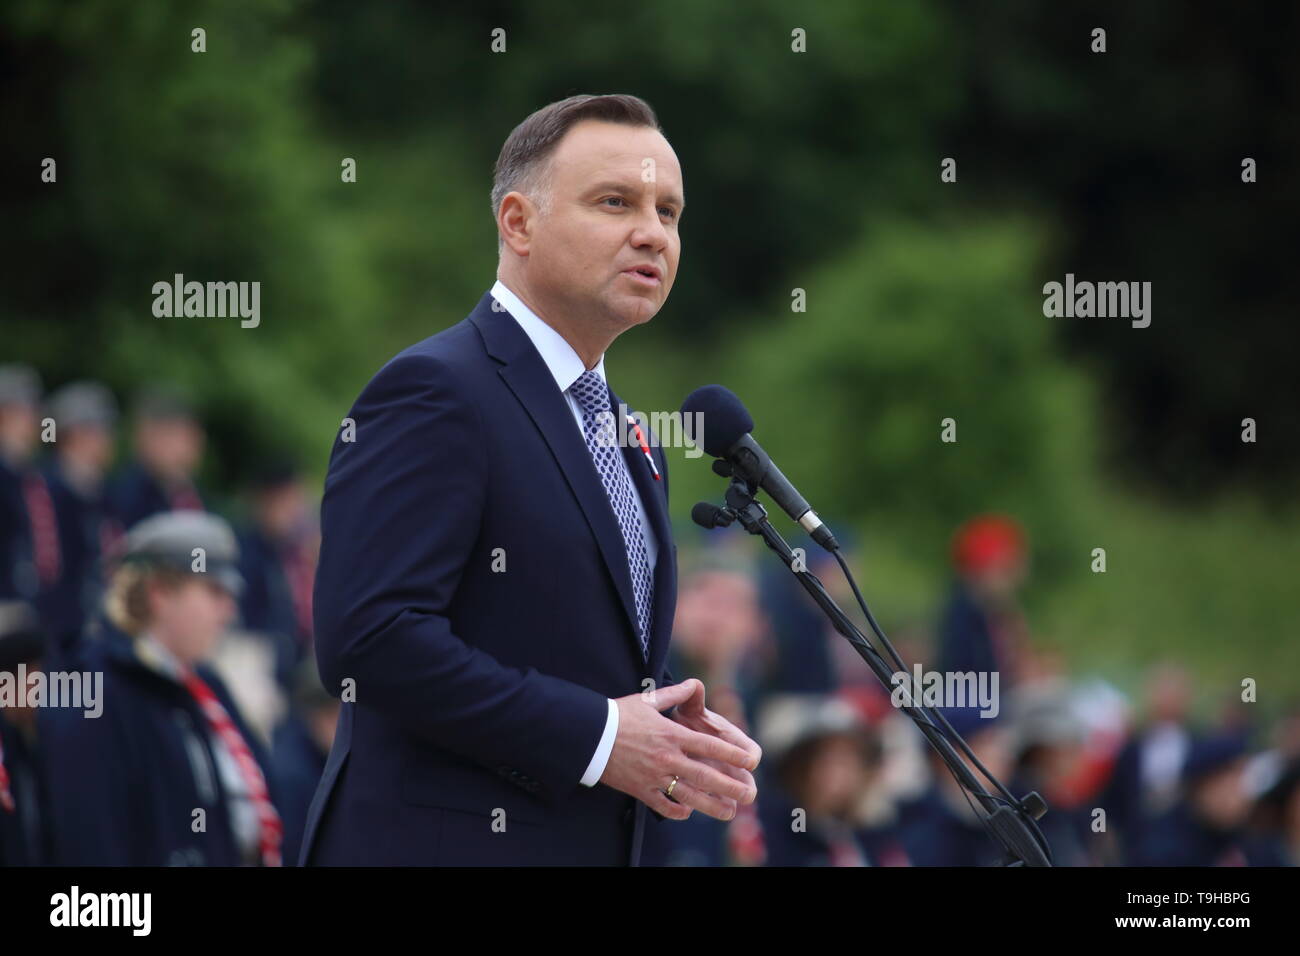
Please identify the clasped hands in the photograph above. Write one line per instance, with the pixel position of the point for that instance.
(705, 759)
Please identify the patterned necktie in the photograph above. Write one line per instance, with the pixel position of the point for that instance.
(602, 442)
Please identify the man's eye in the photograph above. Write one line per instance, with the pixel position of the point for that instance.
(669, 211)
(612, 199)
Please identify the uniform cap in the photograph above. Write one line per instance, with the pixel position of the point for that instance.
(170, 539)
(19, 385)
(83, 403)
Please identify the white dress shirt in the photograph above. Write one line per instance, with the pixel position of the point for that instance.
(566, 367)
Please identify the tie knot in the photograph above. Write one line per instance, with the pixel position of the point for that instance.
(591, 393)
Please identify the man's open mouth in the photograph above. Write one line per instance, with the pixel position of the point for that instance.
(643, 273)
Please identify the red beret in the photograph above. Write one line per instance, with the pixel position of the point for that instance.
(987, 541)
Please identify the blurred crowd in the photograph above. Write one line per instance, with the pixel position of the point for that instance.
(209, 698)
(217, 727)
(1131, 779)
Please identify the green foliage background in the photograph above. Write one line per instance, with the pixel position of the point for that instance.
(817, 171)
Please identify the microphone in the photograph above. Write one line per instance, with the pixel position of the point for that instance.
(726, 434)
(708, 515)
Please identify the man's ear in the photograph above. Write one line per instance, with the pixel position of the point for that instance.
(515, 220)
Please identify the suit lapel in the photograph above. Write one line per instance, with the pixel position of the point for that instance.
(655, 499)
(531, 381)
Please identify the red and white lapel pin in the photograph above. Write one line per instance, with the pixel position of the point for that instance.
(645, 448)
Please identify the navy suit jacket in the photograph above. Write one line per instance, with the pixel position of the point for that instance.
(474, 610)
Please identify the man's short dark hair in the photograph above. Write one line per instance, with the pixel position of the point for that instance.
(522, 163)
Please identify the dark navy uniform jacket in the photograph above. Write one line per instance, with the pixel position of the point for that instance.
(124, 785)
(299, 763)
(134, 494)
(966, 642)
(480, 695)
(804, 662)
(877, 846)
(1178, 838)
(18, 579)
(67, 605)
(25, 838)
(933, 835)
(266, 606)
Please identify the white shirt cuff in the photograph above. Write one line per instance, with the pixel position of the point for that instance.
(603, 749)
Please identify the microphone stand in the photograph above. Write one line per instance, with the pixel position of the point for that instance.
(1010, 822)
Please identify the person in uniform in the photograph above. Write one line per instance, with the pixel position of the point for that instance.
(277, 559)
(168, 447)
(1207, 825)
(822, 808)
(300, 746)
(1047, 749)
(26, 558)
(1276, 814)
(84, 414)
(169, 773)
(1145, 781)
(983, 628)
(941, 827)
(24, 810)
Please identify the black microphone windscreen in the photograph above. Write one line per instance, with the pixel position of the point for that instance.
(724, 418)
(705, 515)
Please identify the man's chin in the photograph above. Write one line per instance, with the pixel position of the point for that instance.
(636, 309)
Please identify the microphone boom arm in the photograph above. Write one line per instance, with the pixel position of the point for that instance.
(1010, 822)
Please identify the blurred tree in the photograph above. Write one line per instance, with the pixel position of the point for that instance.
(1138, 153)
(172, 161)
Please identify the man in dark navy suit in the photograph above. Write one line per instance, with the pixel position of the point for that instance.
(497, 577)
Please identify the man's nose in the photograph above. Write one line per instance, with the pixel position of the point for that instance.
(650, 232)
